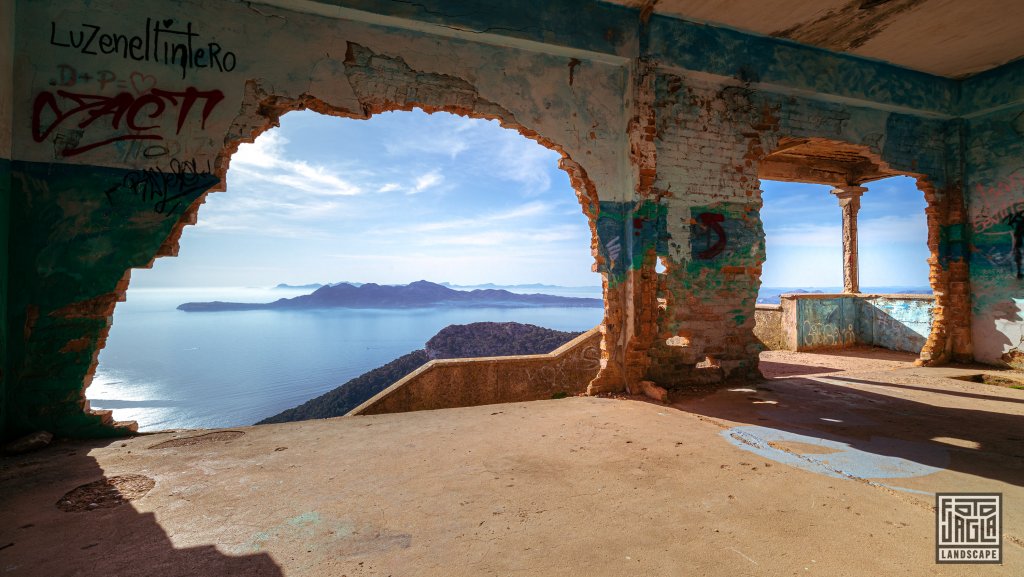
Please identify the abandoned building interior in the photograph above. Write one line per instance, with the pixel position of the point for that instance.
(117, 119)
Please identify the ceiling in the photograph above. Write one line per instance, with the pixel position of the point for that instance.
(822, 162)
(951, 38)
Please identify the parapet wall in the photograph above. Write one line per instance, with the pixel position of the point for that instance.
(126, 114)
(450, 383)
(768, 327)
(828, 321)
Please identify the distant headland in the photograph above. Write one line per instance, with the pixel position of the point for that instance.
(413, 295)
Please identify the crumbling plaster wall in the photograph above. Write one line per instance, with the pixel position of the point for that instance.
(993, 104)
(661, 124)
(6, 112)
(127, 116)
(717, 113)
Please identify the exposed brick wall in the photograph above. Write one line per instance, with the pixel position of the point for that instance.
(708, 175)
(662, 132)
(709, 140)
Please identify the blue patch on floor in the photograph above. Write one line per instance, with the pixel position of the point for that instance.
(869, 460)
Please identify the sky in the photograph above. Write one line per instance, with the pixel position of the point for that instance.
(406, 196)
(400, 197)
(803, 235)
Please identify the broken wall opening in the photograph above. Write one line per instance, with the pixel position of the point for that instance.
(175, 349)
(881, 313)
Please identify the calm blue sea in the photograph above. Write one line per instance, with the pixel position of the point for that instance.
(169, 369)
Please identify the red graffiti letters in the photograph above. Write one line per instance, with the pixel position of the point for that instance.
(139, 114)
(713, 221)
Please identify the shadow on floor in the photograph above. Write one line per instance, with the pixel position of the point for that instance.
(865, 352)
(990, 444)
(775, 370)
(936, 391)
(39, 539)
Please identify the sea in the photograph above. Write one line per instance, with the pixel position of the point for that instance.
(168, 369)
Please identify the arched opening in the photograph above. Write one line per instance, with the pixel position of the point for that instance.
(251, 160)
(861, 240)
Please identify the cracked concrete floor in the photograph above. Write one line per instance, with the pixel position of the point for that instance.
(825, 468)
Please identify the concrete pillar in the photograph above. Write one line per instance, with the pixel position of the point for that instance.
(849, 202)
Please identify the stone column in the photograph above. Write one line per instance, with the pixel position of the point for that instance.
(849, 201)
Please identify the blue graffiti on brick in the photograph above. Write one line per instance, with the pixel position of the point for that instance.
(626, 232)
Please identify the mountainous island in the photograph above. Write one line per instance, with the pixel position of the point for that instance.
(418, 294)
(452, 342)
(773, 295)
(312, 286)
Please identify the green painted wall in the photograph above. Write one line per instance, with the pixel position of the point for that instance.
(791, 66)
(5, 220)
(6, 119)
(70, 225)
(994, 162)
(76, 230)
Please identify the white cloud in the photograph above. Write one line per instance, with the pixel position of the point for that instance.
(427, 181)
(893, 229)
(515, 239)
(885, 230)
(524, 161)
(530, 209)
(264, 161)
(803, 235)
(389, 187)
(444, 141)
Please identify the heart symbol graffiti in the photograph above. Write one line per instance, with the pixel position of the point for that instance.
(142, 83)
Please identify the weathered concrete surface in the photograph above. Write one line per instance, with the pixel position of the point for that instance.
(834, 321)
(665, 127)
(579, 486)
(768, 326)
(450, 383)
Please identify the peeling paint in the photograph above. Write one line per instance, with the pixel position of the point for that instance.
(664, 127)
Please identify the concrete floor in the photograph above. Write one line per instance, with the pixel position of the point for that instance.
(825, 468)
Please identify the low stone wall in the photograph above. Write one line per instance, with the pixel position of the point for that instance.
(829, 321)
(768, 327)
(449, 383)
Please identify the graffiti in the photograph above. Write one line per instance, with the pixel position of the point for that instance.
(614, 247)
(1016, 222)
(136, 150)
(712, 222)
(724, 232)
(131, 111)
(182, 180)
(68, 76)
(991, 208)
(66, 139)
(987, 217)
(827, 335)
(568, 370)
(160, 42)
(626, 233)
